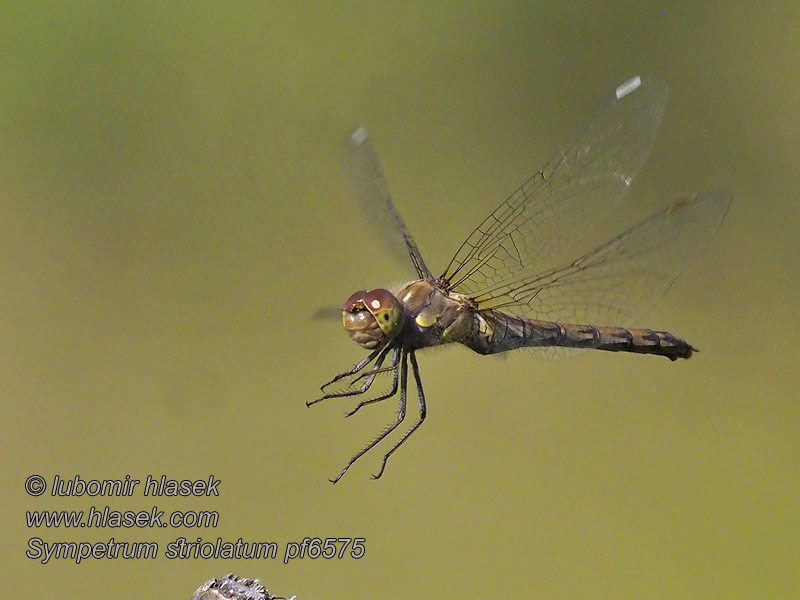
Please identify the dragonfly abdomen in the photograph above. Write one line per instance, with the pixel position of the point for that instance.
(619, 339)
(500, 332)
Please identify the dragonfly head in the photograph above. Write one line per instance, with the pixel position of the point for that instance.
(372, 317)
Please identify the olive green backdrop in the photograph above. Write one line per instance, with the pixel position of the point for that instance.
(173, 210)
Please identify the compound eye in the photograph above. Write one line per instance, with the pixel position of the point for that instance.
(386, 309)
(355, 302)
(372, 317)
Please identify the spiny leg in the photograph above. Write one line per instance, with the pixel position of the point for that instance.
(390, 393)
(422, 414)
(374, 371)
(355, 369)
(401, 413)
(370, 375)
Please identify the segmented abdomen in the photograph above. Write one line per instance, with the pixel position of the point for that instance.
(499, 332)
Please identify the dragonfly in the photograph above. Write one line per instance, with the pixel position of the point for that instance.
(540, 273)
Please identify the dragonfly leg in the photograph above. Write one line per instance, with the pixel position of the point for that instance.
(355, 369)
(401, 413)
(370, 377)
(390, 393)
(422, 414)
(374, 371)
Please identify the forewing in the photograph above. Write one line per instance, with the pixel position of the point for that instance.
(375, 201)
(557, 212)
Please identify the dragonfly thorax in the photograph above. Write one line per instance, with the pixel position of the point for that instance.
(372, 317)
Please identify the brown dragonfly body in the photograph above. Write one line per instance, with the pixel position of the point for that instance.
(433, 315)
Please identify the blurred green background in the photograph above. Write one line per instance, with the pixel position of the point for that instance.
(174, 210)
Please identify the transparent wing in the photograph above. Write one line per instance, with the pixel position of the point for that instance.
(559, 212)
(372, 192)
(620, 280)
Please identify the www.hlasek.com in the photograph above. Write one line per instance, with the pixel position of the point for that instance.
(180, 548)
